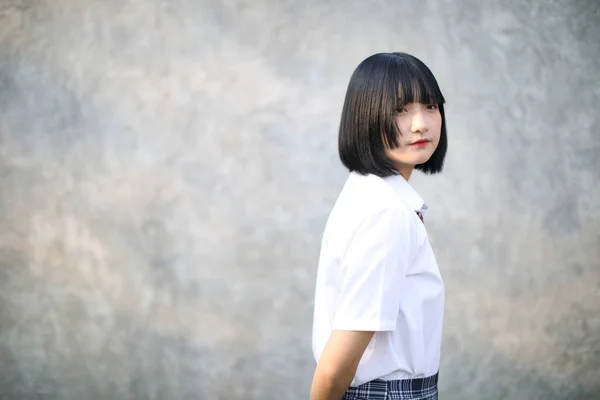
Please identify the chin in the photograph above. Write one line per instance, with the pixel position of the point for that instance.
(417, 161)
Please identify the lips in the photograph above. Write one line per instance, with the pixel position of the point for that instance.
(421, 142)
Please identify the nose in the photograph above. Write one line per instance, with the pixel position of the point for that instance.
(419, 123)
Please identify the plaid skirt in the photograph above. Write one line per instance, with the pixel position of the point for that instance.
(402, 389)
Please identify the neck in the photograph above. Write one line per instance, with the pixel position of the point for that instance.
(405, 171)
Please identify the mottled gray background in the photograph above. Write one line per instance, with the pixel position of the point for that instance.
(166, 169)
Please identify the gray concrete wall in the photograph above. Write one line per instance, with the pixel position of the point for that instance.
(166, 168)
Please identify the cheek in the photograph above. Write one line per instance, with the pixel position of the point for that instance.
(438, 133)
(402, 127)
(437, 128)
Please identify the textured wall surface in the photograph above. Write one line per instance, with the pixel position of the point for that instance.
(167, 167)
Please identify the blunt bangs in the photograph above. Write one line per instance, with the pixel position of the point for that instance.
(416, 83)
(378, 88)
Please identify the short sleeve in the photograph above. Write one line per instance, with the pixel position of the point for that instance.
(372, 273)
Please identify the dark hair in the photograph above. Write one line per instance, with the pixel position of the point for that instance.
(379, 86)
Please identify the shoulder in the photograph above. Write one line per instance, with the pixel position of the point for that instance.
(367, 204)
(367, 196)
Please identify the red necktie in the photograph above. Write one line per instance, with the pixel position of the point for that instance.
(420, 216)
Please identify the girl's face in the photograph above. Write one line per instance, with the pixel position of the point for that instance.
(420, 126)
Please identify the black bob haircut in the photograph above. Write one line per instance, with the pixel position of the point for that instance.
(378, 88)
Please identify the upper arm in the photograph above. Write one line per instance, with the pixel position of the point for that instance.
(372, 271)
(338, 363)
(344, 349)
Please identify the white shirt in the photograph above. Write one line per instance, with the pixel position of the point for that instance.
(377, 272)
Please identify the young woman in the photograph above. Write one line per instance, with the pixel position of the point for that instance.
(379, 295)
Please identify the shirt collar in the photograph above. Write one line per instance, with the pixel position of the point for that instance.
(407, 193)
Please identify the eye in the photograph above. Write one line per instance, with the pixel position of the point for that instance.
(432, 107)
(402, 110)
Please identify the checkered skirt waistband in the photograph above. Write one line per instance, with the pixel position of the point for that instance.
(402, 389)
